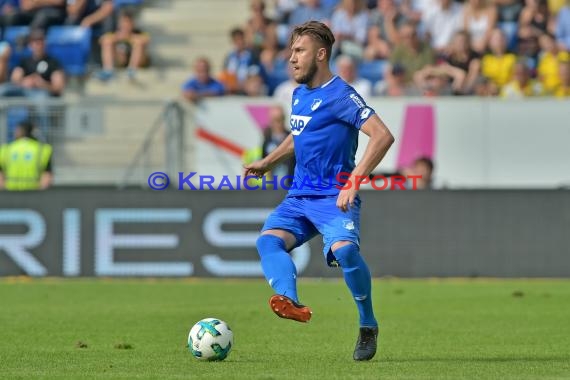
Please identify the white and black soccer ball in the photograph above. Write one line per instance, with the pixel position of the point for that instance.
(210, 339)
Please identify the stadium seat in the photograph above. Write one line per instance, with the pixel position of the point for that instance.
(16, 36)
(372, 70)
(71, 46)
(15, 115)
(510, 29)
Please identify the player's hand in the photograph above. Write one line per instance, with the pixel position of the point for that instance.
(257, 169)
(346, 198)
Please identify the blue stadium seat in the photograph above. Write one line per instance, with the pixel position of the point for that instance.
(372, 70)
(510, 28)
(16, 37)
(15, 115)
(71, 46)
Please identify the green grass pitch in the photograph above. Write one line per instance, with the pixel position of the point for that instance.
(430, 329)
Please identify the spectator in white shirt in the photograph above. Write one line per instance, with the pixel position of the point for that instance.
(442, 22)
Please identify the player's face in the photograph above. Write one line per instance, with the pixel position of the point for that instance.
(304, 59)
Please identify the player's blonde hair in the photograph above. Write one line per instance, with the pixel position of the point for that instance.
(318, 31)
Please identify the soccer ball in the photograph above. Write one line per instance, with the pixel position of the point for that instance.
(210, 339)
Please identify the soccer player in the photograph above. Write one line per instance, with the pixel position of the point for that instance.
(326, 116)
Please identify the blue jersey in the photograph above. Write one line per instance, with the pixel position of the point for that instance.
(325, 122)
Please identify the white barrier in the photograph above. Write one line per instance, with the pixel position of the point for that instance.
(477, 143)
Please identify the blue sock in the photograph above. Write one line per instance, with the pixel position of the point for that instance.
(278, 266)
(357, 277)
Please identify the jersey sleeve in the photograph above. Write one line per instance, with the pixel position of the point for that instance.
(351, 109)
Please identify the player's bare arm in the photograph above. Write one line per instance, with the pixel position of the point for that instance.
(283, 152)
(380, 141)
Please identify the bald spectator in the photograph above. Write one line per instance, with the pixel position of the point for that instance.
(346, 69)
(202, 85)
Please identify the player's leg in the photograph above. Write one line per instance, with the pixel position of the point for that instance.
(358, 279)
(285, 229)
(341, 235)
(281, 273)
(278, 266)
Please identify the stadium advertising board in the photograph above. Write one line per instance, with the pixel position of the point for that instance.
(104, 232)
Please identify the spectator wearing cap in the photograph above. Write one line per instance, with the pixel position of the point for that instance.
(395, 84)
(37, 76)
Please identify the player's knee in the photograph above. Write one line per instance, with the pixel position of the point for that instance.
(348, 255)
(268, 244)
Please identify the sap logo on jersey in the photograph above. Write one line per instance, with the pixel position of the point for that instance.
(298, 123)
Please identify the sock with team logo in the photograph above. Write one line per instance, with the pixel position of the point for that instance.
(358, 280)
(277, 265)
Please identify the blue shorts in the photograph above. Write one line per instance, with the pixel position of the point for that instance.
(307, 216)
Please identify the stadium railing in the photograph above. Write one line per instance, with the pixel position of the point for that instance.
(102, 142)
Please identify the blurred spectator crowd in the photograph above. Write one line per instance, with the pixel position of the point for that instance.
(505, 48)
(42, 42)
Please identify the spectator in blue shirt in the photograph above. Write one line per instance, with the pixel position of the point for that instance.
(563, 28)
(239, 64)
(202, 85)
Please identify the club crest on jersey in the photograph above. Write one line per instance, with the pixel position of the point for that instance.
(348, 224)
(316, 104)
(298, 123)
(296, 102)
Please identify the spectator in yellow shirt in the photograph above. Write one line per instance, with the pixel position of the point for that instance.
(522, 84)
(547, 69)
(563, 89)
(498, 65)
